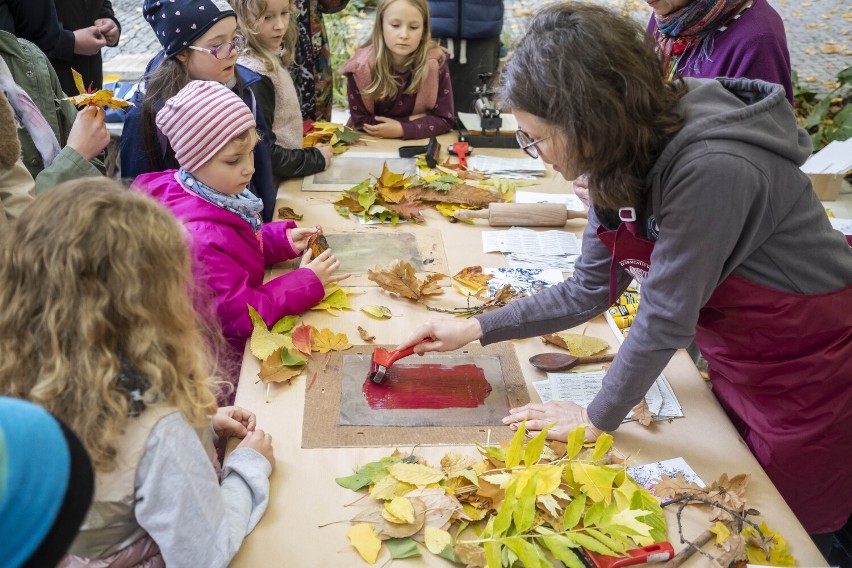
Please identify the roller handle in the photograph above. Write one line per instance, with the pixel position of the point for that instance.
(521, 214)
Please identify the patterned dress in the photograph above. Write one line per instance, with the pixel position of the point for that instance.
(312, 74)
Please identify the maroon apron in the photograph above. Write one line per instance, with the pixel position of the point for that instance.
(781, 367)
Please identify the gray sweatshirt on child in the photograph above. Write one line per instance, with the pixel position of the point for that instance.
(729, 198)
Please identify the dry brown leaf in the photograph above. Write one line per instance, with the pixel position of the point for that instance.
(670, 488)
(399, 278)
(365, 335)
(407, 208)
(350, 201)
(734, 548)
(471, 555)
(642, 414)
(317, 244)
(272, 370)
(288, 213)
(461, 193)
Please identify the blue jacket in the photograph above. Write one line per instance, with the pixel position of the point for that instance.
(134, 158)
(466, 19)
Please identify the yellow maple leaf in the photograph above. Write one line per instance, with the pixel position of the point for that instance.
(263, 342)
(102, 97)
(325, 340)
(721, 531)
(437, 539)
(399, 510)
(576, 344)
(779, 550)
(365, 540)
(448, 210)
(415, 473)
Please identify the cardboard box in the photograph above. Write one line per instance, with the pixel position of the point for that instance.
(826, 186)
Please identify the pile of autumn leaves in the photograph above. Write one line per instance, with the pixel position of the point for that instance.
(528, 503)
(531, 503)
(393, 197)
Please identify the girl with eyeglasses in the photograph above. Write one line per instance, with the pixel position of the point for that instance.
(270, 32)
(200, 42)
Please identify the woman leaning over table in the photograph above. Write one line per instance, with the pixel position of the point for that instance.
(697, 193)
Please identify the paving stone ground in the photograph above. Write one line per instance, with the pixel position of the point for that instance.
(819, 34)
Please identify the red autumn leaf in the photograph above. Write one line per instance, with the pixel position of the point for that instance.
(302, 338)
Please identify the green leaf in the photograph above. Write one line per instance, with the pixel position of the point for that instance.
(402, 548)
(532, 453)
(379, 312)
(574, 511)
(529, 554)
(494, 452)
(845, 76)
(560, 547)
(595, 480)
(616, 545)
(493, 553)
(503, 519)
(285, 324)
(655, 519)
(593, 515)
(817, 114)
(367, 474)
(524, 510)
(342, 211)
(576, 437)
(579, 539)
(449, 554)
(602, 446)
(516, 446)
(291, 358)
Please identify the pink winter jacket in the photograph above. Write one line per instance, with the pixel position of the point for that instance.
(229, 259)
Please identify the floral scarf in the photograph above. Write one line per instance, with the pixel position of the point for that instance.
(246, 204)
(693, 25)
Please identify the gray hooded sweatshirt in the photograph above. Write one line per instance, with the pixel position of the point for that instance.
(726, 197)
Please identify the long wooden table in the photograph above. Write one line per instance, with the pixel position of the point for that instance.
(304, 494)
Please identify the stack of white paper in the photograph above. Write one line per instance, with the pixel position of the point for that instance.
(571, 201)
(525, 248)
(514, 168)
(835, 158)
(582, 387)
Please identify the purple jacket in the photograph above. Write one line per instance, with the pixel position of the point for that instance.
(229, 260)
(754, 46)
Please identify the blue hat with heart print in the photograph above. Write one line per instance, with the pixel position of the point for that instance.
(178, 23)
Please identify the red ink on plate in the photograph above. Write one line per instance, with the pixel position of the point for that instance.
(428, 386)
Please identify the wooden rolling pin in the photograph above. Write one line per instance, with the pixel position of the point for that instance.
(522, 214)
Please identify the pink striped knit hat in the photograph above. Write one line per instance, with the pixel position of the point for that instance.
(201, 119)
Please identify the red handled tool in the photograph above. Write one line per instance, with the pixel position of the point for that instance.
(382, 359)
(652, 553)
(460, 149)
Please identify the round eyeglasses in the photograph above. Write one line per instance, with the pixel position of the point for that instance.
(224, 50)
(527, 144)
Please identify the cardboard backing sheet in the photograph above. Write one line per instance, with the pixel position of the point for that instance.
(321, 426)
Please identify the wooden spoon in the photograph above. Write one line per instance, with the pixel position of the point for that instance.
(552, 362)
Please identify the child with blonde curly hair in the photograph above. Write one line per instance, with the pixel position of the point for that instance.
(270, 31)
(99, 329)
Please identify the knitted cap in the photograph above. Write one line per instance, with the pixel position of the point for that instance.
(34, 470)
(201, 119)
(178, 23)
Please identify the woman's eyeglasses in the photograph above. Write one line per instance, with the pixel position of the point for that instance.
(527, 144)
(224, 50)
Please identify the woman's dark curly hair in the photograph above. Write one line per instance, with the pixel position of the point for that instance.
(593, 76)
